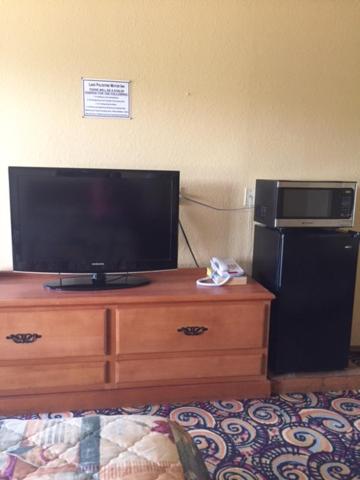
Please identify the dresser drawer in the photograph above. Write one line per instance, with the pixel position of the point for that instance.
(53, 333)
(51, 375)
(191, 327)
(188, 367)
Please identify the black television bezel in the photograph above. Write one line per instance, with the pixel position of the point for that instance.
(144, 266)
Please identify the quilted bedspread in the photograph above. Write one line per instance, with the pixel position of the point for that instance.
(100, 447)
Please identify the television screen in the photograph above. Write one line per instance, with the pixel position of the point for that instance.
(75, 220)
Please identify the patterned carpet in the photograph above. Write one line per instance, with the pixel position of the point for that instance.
(292, 437)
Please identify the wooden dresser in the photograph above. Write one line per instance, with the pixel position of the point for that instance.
(166, 341)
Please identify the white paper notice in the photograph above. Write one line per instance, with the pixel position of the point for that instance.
(106, 98)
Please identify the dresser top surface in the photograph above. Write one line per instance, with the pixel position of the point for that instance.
(25, 289)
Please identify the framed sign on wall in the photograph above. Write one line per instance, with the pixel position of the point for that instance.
(106, 98)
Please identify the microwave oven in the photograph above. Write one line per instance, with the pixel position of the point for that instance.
(293, 203)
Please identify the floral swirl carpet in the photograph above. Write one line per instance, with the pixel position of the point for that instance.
(292, 437)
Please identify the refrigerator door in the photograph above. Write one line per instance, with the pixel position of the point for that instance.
(267, 257)
(311, 317)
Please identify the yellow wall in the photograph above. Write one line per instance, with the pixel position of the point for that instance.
(226, 91)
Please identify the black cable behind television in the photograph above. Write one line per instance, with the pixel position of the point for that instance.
(94, 221)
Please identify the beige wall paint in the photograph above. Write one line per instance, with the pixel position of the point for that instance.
(226, 91)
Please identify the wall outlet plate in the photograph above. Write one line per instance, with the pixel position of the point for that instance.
(249, 197)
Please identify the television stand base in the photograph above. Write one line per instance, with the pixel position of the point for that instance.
(97, 281)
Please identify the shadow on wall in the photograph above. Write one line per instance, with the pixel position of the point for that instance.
(214, 232)
(357, 210)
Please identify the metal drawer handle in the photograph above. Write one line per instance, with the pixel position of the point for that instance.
(23, 337)
(192, 330)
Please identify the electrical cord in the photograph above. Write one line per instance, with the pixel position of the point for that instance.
(188, 243)
(212, 207)
(206, 205)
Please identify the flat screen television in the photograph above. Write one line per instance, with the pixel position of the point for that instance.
(95, 222)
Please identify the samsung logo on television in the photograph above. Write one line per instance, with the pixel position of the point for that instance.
(98, 263)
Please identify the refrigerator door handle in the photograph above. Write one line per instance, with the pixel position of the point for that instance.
(280, 263)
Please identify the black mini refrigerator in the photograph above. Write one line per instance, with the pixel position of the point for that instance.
(312, 273)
